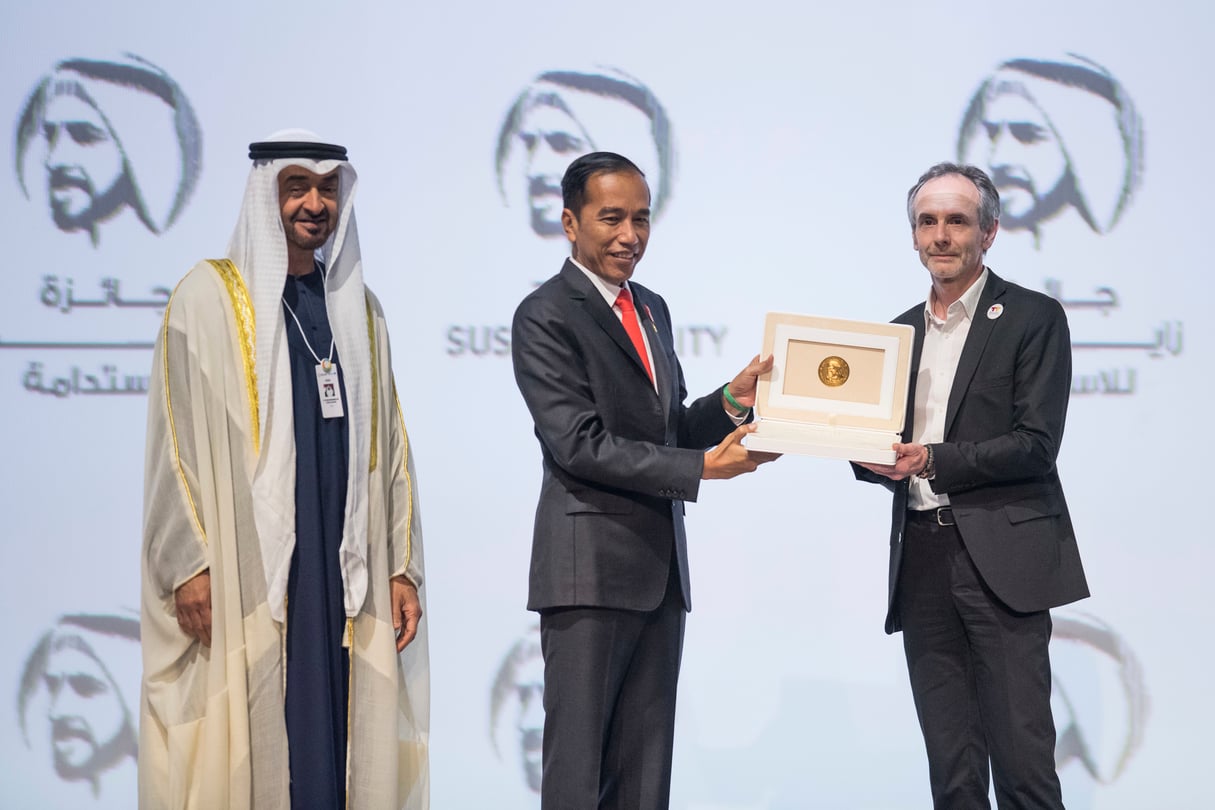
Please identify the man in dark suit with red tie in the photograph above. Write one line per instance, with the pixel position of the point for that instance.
(981, 544)
(594, 358)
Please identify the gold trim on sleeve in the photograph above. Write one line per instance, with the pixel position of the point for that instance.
(242, 309)
(408, 482)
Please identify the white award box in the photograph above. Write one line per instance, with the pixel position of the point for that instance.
(837, 389)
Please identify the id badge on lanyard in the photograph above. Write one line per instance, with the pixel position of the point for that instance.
(329, 388)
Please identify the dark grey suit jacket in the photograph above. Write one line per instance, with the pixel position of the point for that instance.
(1003, 427)
(619, 458)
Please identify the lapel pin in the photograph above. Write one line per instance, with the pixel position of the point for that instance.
(995, 311)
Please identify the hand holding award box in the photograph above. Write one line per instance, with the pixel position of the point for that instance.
(837, 389)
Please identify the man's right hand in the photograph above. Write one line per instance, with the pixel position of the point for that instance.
(731, 457)
(193, 600)
(910, 460)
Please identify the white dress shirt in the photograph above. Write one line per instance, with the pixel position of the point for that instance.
(943, 342)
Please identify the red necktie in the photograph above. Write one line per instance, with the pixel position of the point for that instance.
(625, 301)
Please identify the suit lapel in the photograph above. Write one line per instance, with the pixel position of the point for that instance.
(599, 311)
(656, 334)
(976, 341)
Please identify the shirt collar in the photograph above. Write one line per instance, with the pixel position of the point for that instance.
(608, 290)
(969, 300)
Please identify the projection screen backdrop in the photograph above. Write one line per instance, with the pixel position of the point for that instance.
(779, 139)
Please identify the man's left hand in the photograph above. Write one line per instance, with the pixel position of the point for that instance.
(910, 460)
(406, 610)
(743, 386)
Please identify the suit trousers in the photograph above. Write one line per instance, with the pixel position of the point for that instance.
(980, 677)
(610, 678)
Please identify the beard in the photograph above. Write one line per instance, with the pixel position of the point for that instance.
(101, 207)
(529, 746)
(308, 241)
(539, 190)
(103, 757)
(1044, 206)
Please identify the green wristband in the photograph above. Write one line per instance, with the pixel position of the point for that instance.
(725, 391)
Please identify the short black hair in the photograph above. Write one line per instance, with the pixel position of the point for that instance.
(580, 172)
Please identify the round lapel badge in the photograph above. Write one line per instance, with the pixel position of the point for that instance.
(995, 311)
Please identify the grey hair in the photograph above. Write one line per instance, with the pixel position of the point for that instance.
(989, 198)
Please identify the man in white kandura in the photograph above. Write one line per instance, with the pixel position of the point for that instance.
(282, 554)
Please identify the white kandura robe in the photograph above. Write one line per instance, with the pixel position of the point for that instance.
(212, 730)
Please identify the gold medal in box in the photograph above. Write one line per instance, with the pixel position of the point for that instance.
(837, 389)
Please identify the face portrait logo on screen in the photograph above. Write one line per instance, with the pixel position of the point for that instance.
(73, 675)
(1055, 135)
(563, 114)
(516, 708)
(1102, 736)
(100, 137)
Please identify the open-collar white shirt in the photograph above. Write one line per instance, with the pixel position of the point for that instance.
(943, 342)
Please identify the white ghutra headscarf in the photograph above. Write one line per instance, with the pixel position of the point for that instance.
(258, 248)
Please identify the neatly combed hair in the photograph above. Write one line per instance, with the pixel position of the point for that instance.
(580, 172)
(607, 83)
(989, 198)
(137, 74)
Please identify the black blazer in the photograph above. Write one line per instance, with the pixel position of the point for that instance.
(619, 459)
(1003, 427)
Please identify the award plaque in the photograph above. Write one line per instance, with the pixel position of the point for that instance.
(837, 389)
